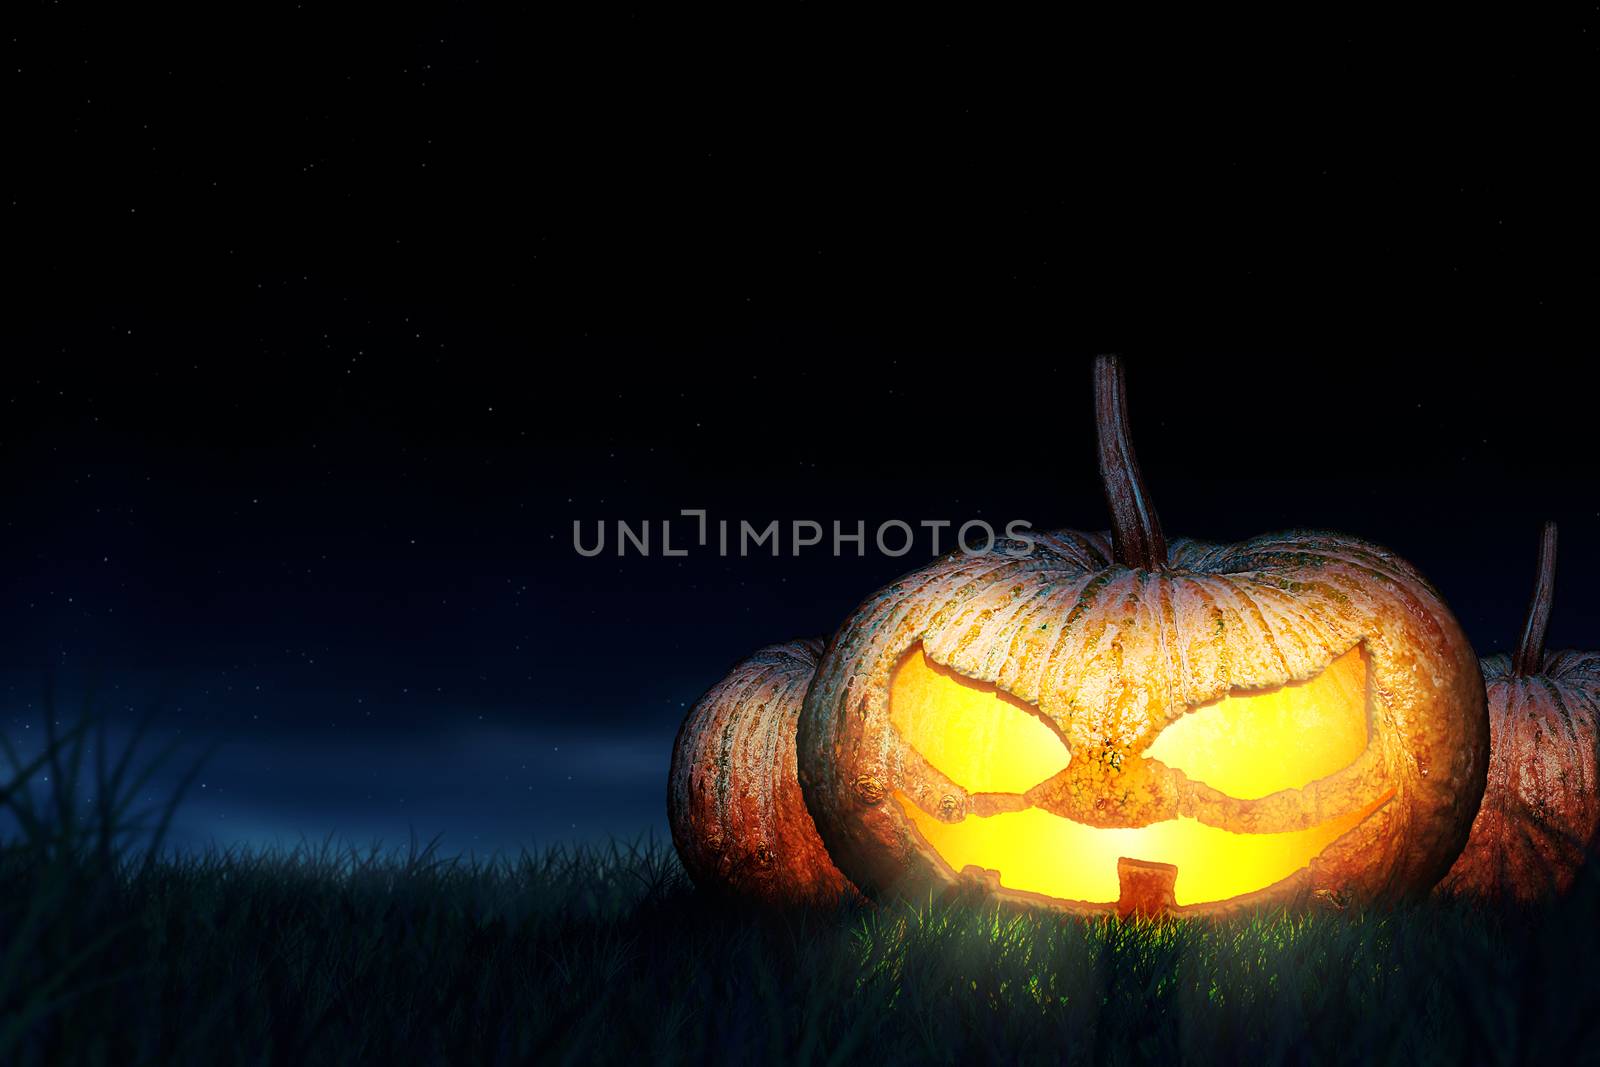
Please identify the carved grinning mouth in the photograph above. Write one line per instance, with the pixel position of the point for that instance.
(1061, 827)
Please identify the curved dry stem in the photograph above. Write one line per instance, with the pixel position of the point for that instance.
(1529, 658)
(1137, 540)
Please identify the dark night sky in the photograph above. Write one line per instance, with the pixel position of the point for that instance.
(322, 334)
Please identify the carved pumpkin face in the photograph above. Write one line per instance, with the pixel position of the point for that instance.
(1099, 727)
(1541, 808)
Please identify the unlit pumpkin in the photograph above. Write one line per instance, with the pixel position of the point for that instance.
(1112, 723)
(1541, 806)
(733, 800)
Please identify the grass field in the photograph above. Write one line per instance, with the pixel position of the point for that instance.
(323, 954)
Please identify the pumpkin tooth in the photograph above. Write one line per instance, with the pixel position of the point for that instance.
(1145, 888)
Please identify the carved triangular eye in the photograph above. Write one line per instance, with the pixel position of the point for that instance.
(982, 739)
(1251, 744)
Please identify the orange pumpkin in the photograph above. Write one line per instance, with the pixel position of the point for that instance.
(733, 799)
(1541, 806)
(1113, 723)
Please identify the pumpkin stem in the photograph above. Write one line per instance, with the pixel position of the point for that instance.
(1136, 538)
(1530, 651)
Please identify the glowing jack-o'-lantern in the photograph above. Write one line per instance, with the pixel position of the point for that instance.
(1541, 806)
(1113, 723)
(733, 800)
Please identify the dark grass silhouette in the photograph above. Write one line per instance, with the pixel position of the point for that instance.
(112, 953)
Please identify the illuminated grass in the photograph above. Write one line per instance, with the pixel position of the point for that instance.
(325, 954)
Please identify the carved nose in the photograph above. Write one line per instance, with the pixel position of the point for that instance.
(1141, 792)
(1147, 888)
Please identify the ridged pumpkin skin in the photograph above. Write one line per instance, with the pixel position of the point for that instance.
(733, 799)
(1111, 655)
(1541, 806)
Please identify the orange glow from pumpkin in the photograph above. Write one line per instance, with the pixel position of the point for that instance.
(986, 740)
(1250, 745)
(1247, 745)
(1038, 852)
